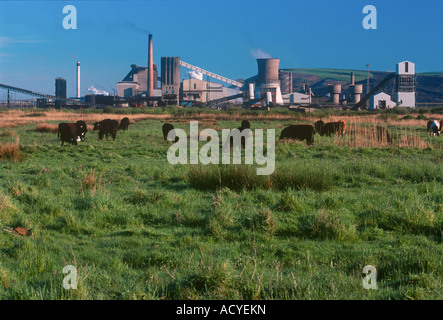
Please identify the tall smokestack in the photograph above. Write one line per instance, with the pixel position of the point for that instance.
(78, 79)
(150, 69)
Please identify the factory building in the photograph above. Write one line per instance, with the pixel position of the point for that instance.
(60, 91)
(381, 100)
(136, 82)
(60, 88)
(170, 75)
(100, 99)
(204, 91)
(406, 84)
(297, 98)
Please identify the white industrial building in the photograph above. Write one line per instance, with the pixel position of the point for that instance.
(204, 91)
(406, 84)
(381, 100)
(297, 98)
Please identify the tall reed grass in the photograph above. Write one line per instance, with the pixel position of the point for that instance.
(243, 177)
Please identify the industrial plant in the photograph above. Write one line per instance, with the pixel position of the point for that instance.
(147, 86)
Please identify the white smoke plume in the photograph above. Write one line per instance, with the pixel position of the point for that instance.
(259, 53)
(97, 91)
(195, 75)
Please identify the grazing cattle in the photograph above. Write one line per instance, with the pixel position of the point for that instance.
(60, 125)
(434, 127)
(330, 128)
(124, 124)
(299, 132)
(382, 134)
(165, 129)
(342, 127)
(318, 125)
(82, 128)
(106, 127)
(245, 125)
(67, 132)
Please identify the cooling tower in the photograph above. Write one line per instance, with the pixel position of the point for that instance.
(268, 80)
(268, 71)
(150, 69)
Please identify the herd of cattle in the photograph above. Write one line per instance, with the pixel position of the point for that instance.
(73, 132)
(338, 128)
(307, 132)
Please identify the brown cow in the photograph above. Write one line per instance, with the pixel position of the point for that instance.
(330, 128)
(318, 125)
(67, 133)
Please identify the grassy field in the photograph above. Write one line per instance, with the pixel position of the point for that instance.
(137, 227)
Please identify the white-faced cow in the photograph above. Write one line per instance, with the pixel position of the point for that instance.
(434, 127)
(82, 128)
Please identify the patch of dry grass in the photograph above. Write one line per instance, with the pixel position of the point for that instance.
(11, 152)
(45, 127)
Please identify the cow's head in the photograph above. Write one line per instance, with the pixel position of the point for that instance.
(245, 124)
(96, 125)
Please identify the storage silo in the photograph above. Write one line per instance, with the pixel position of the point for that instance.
(335, 91)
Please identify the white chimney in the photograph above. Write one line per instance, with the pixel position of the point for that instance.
(78, 80)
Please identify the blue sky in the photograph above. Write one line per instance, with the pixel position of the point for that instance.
(222, 36)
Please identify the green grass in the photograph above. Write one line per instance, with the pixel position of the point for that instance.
(137, 227)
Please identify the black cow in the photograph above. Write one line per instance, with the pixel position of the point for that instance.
(243, 126)
(165, 129)
(336, 128)
(106, 127)
(299, 132)
(124, 124)
(67, 132)
(82, 128)
(318, 125)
